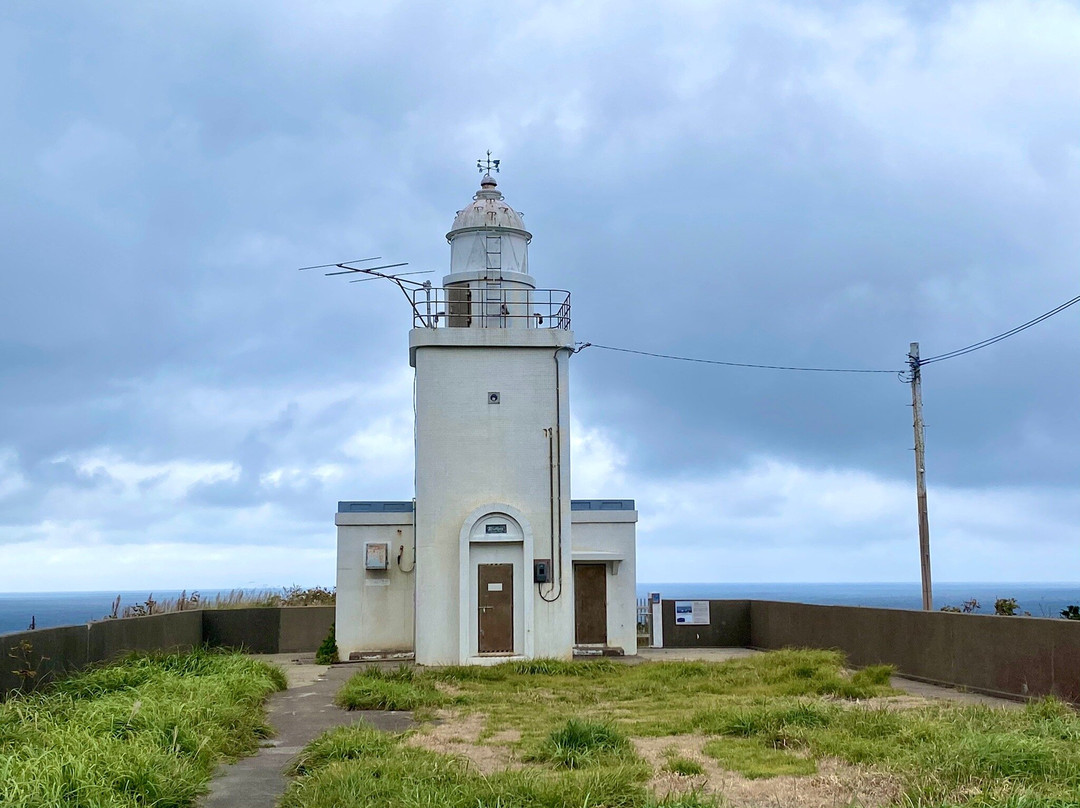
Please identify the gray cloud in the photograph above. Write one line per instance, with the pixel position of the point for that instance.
(763, 182)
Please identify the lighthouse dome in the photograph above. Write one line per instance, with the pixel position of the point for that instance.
(488, 210)
(489, 240)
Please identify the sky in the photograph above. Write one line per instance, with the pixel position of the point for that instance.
(793, 183)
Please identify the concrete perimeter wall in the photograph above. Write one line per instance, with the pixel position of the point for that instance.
(729, 626)
(57, 652)
(1007, 656)
(1012, 656)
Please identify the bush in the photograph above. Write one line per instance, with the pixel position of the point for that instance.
(1006, 606)
(328, 651)
(1071, 612)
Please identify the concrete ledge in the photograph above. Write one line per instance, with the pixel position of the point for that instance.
(348, 519)
(583, 517)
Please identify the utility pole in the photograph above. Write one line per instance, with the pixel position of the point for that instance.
(920, 475)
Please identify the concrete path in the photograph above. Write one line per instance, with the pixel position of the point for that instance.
(298, 715)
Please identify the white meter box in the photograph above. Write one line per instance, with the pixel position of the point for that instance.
(376, 555)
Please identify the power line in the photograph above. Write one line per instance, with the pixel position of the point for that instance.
(733, 364)
(1005, 335)
(903, 374)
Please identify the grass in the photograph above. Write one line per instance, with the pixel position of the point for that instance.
(147, 730)
(767, 715)
(234, 599)
(755, 759)
(401, 689)
(579, 744)
(360, 766)
(683, 766)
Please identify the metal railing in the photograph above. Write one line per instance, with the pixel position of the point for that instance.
(490, 306)
(644, 619)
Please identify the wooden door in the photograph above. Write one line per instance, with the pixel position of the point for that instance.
(590, 604)
(495, 601)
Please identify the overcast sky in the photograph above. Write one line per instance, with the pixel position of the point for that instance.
(771, 182)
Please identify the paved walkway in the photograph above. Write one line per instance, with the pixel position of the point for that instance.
(297, 715)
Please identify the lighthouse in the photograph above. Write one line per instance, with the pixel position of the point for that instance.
(491, 560)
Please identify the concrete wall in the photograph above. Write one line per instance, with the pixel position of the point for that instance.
(374, 607)
(472, 454)
(179, 631)
(55, 652)
(303, 628)
(729, 626)
(60, 651)
(1017, 656)
(610, 537)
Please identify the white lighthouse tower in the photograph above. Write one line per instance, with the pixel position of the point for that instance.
(492, 562)
(492, 435)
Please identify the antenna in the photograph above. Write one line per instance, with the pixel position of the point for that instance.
(485, 166)
(397, 278)
(354, 261)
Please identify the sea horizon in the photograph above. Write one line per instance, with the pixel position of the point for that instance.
(1040, 599)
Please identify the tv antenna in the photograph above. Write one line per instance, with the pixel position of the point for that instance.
(373, 274)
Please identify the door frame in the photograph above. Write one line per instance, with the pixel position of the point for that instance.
(518, 548)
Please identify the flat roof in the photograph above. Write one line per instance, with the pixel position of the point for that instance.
(406, 506)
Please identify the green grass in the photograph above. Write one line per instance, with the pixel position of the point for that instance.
(766, 715)
(684, 766)
(360, 766)
(401, 689)
(579, 744)
(755, 759)
(147, 730)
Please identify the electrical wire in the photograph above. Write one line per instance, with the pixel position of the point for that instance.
(1005, 335)
(585, 345)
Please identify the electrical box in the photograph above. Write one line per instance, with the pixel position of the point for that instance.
(542, 571)
(376, 555)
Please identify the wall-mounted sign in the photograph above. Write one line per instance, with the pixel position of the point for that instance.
(489, 529)
(691, 612)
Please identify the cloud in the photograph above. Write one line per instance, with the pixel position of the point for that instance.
(774, 182)
(773, 519)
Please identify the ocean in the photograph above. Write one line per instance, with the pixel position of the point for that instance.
(49, 609)
(1042, 600)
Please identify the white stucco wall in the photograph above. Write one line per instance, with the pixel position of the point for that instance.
(374, 607)
(471, 454)
(611, 537)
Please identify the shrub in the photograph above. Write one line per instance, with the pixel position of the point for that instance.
(1006, 606)
(1071, 612)
(328, 651)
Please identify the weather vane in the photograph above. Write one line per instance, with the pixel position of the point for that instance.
(485, 166)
